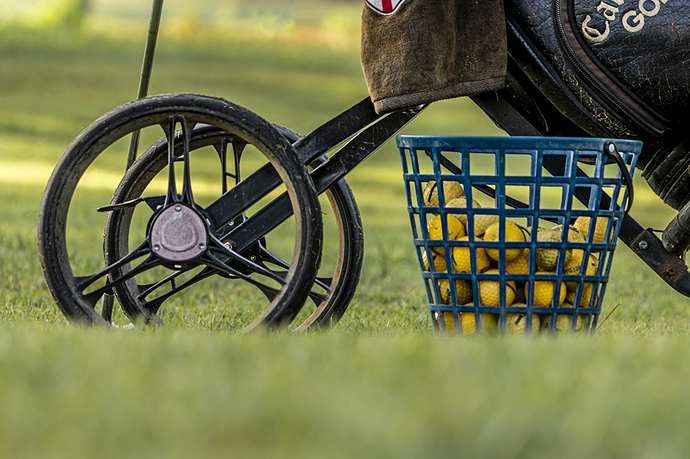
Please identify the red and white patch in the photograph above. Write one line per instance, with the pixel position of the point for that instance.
(384, 6)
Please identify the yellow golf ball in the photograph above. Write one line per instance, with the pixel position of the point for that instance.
(435, 228)
(574, 267)
(451, 190)
(563, 323)
(547, 257)
(520, 265)
(515, 323)
(544, 292)
(490, 290)
(462, 262)
(598, 233)
(439, 262)
(469, 326)
(448, 321)
(513, 234)
(463, 290)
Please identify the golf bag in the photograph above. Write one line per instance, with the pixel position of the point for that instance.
(608, 68)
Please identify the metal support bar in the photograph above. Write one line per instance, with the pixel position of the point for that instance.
(335, 168)
(146, 66)
(334, 131)
(263, 180)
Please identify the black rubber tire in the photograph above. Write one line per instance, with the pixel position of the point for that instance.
(348, 268)
(78, 305)
(340, 285)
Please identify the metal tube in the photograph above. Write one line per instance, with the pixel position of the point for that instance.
(150, 48)
(147, 64)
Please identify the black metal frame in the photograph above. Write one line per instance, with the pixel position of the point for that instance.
(367, 131)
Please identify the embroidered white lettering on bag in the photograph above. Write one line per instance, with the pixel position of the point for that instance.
(593, 34)
(633, 20)
(633, 23)
(384, 6)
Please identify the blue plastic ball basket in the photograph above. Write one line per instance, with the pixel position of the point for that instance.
(534, 184)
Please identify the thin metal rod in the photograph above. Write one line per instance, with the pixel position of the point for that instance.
(146, 66)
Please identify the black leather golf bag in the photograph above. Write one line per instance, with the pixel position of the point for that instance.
(607, 68)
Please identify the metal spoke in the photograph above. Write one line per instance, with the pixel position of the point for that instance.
(237, 150)
(145, 290)
(216, 266)
(171, 196)
(222, 150)
(210, 260)
(85, 281)
(318, 297)
(268, 257)
(154, 305)
(324, 283)
(152, 201)
(170, 134)
(217, 246)
(187, 196)
(145, 265)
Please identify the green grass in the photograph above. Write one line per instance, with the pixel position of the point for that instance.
(181, 394)
(379, 385)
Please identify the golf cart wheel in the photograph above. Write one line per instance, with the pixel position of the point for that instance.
(160, 246)
(340, 268)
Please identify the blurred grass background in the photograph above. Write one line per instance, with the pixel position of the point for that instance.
(379, 385)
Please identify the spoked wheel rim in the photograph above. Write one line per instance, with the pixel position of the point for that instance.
(339, 273)
(181, 233)
(341, 279)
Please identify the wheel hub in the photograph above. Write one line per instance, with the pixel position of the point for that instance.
(178, 234)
